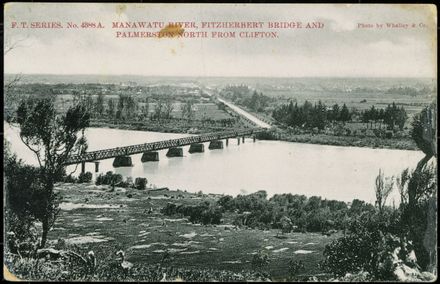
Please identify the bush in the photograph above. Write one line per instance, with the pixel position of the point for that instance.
(85, 177)
(295, 266)
(140, 183)
(226, 202)
(204, 213)
(169, 209)
(374, 244)
(109, 179)
(25, 199)
(70, 179)
(260, 261)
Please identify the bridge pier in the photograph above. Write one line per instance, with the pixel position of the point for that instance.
(83, 167)
(122, 161)
(196, 148)
(96, 167)
(175, 152)
(215, 144)
(151, 156)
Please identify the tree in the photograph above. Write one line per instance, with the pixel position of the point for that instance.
(120, 114)
(286, 224)
(334, 114)
(22, 208)
(158, 110)
(395, 116)
(99, 105)
(401, 118)
(145, 109)
(11, 100)
(111, 108)
(52, 138)
(89, 105)
(130, 106)
(384, 186)
(421, 133)
(344, 115)
(168, 108)
(187, 110)
(419, 188)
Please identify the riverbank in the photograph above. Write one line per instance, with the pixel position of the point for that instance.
(351, 141)
(401, 143)
(308, 138)
(104, 221)
(164, 127)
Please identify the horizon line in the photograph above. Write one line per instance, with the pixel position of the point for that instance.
(226, 76)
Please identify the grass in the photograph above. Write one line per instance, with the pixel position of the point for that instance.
(110, 221)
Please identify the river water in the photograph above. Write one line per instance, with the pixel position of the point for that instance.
(333, 172)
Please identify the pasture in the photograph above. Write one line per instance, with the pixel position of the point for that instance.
(94, 218)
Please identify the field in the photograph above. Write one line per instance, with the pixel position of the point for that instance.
(93, 218)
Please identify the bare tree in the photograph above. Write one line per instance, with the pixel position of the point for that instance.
(384, 186)
(401, 183)
(12, 100)
(168, 108)
(158, 109)
(187, 110)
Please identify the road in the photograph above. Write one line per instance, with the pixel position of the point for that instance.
(242, 112)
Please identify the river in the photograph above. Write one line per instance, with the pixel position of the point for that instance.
(333, 172)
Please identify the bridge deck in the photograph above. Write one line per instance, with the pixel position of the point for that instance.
(154, 146)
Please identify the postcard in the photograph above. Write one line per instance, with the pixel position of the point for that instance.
(149, 142)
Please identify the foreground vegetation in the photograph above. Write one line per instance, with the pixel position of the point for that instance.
(102, 220)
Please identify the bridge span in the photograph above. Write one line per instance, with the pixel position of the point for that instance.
(122, 154)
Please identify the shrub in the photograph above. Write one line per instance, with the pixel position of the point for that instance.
(259, 261)
(140, 183)
(109, 179)
(169, 209)
(295, 266)
(226, 202)
(25, 201)
(204, 213)
(85, 177)
(373, 245)
(70, 179)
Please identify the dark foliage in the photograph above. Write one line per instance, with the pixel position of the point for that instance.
(204, 213)
(289, 212)
(109, 179)
(85, 177)
(140, 183)
(311, 116)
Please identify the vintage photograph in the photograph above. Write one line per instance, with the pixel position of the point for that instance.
(150, 142)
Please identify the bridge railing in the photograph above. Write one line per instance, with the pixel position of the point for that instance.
(159, 145)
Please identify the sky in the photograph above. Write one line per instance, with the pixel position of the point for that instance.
(339, 49)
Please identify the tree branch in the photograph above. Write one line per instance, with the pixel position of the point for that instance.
(33, 150)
